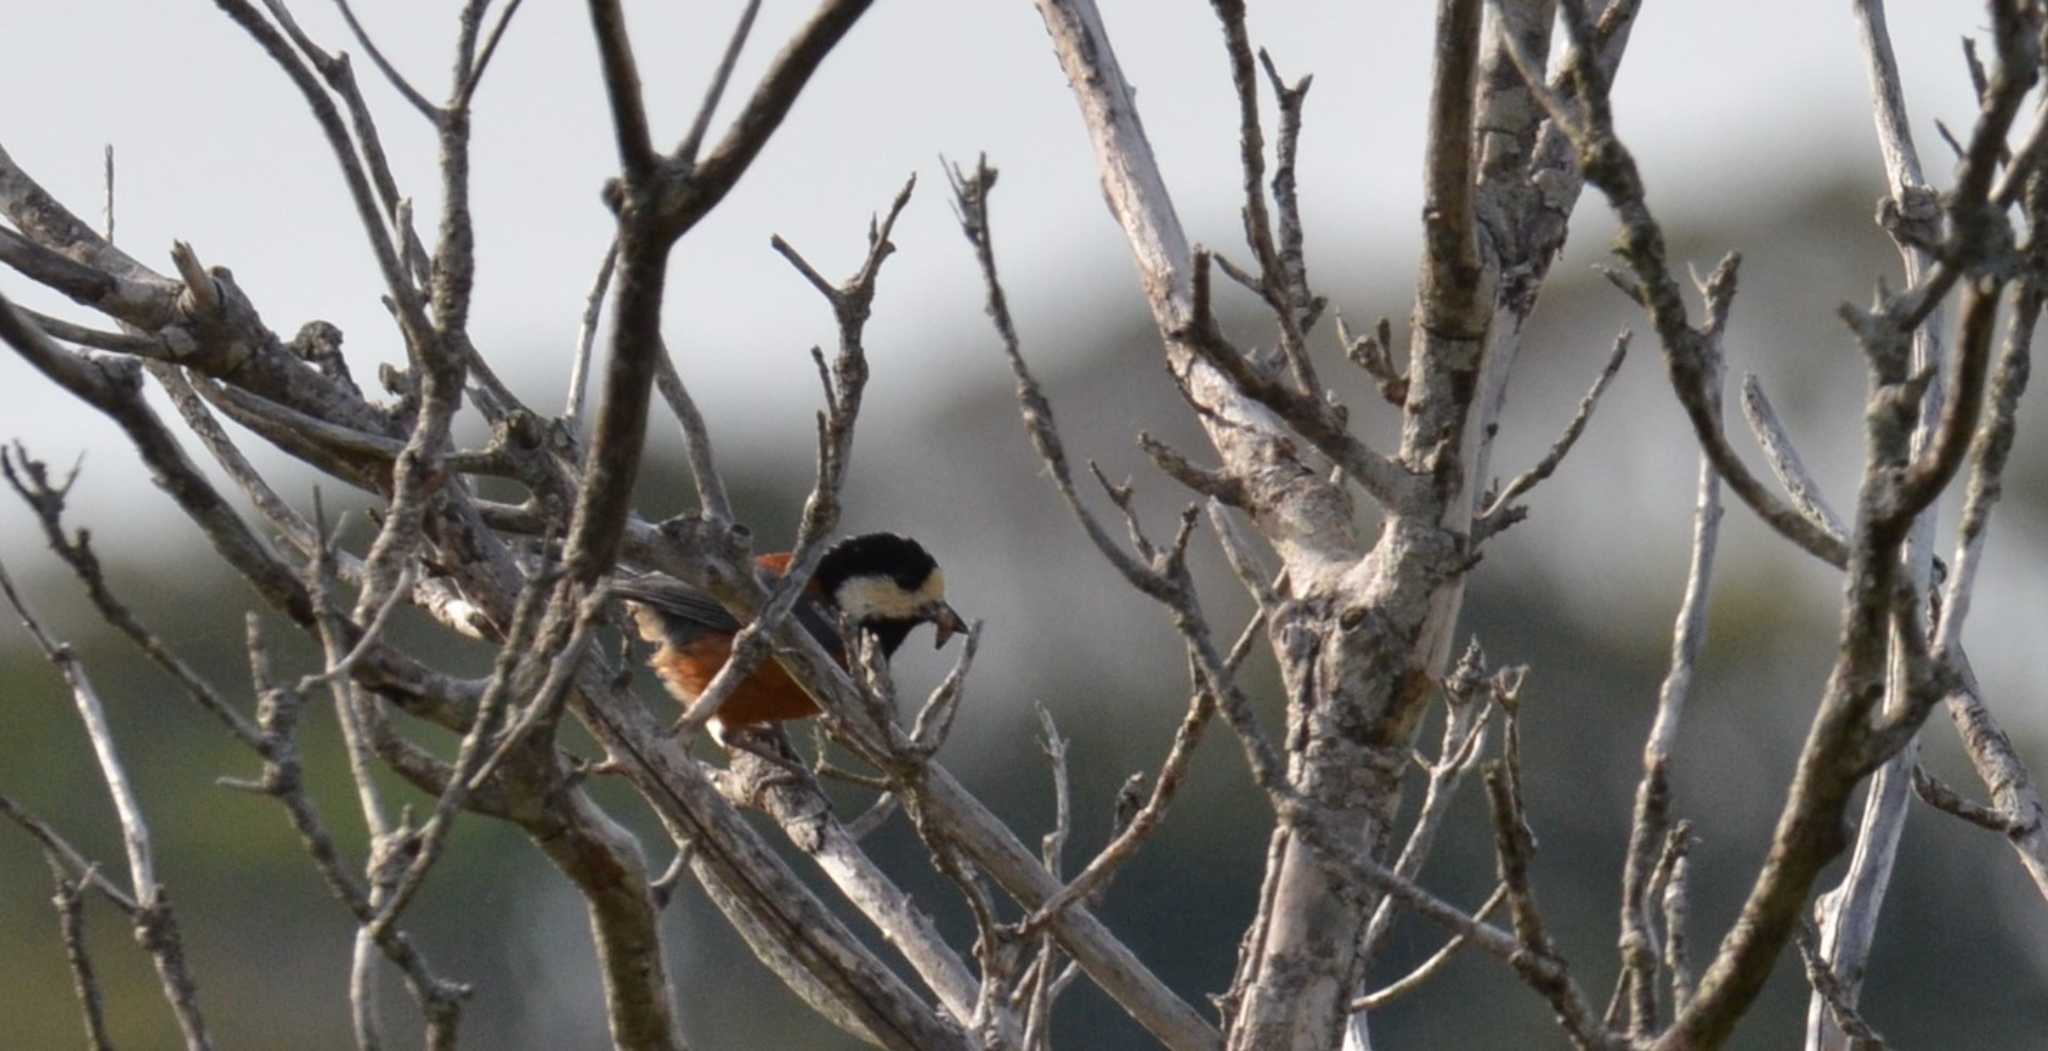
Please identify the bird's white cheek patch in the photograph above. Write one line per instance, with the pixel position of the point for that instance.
(880, 598)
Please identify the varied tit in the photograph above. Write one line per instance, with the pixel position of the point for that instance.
(880, 583)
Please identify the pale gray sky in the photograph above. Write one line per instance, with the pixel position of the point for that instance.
(215, 147)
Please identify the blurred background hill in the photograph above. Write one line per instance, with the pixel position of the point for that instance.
(1583, 592)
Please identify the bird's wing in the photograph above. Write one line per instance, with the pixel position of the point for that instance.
(687, 613)
(677, 601)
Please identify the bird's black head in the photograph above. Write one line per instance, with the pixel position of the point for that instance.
(886, 584)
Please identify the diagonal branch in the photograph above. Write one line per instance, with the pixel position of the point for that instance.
(1791, 472)
(1429, 968)
(1609, 166)
(399, 84)
(777, 91)
(69, 901)
(411, 312)
(1094, 878)
(622, 88)
(1651, 819)
(686, 151)
(966, 821)
(156, 926)
(467, 90)
(1501, 507)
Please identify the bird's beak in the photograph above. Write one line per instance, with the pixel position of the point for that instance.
(945, 623)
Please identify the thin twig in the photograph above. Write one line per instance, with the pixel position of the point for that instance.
(712, 502)
(1998, 765)
(141, 346)
(69, 901)
(622, 88)
(934, 721)
(1468, 703)
(1054, 843)
(1427, 969)
(483, 60)
(127, 806)
(1546, 466)
(1828, 986)
(1514, 847)
(586, 335)
(30, 479)
(399, 84)
(339, 669)
(110, 193)
(1651, 817)
(525, 617)
(86, 873)
(1783, 455)
(1990, 452)
(1282, 285)
(686, 151)
(352, 710)
(1677, 864)
(278, 714)
(1095, 876)
(1933, 792)
(156, 927)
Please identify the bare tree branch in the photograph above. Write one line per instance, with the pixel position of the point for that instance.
(399, 84)
(1502, 504)
(1675, 869)
(1784, 458)
(586, 335)
(1933, 792)
(686, 151)
(468, 86)
(1828, 986)
(278, 713)
(1428, 968)
(777, 91)
(806, 816)
(87, 873)
(69, 901)
(1651, 820)
(1467, 700)
(1095, 876)
(156, 927)
(2012, 786)
(622, 88)
(712, 502)
(1608, 165)
(1514, 846)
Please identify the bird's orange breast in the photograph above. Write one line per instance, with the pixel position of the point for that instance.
(769, 695)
